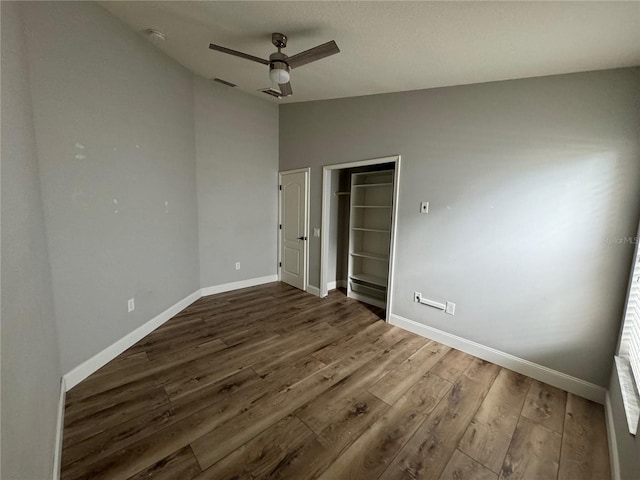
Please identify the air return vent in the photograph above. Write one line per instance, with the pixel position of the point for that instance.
(271, 91)
(224, 82)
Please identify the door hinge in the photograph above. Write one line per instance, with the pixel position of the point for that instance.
(280, 187)
(279, 264)
(280, 226)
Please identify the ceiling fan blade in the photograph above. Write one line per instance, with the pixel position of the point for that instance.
(313, 54)
(285, 89)
(238, 54)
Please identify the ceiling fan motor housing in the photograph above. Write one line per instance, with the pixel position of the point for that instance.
(278, 65)
(278, 58)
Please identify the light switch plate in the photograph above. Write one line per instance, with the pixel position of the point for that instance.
(316, 232)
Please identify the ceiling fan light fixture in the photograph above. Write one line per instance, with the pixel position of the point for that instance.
(280, 64)
(279, 73)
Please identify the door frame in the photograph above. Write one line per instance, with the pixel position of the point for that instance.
(307, 185)
(324, 232)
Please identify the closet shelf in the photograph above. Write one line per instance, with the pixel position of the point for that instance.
(372, 256)
(371, 206)
(378, 230)
(373, 185)
(372, 291)
(372, 279)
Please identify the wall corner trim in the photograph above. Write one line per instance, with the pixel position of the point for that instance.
(82, 371)
(313, 290)
(612, 439)
(227, 287)
(57, 453)
(544, 374)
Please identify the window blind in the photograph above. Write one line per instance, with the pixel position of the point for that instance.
(628, 359)
(630, 342)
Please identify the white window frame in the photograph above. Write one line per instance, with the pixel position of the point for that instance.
(628, 357)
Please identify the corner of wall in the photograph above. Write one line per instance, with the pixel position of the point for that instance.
(57, 458)
(82, 371)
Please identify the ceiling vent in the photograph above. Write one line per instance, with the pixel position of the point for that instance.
(224, 82)
(272, 92)
(155, 34)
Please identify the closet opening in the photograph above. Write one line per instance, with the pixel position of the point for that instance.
(359, 211)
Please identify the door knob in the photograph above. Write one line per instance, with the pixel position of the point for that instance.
(302, 238)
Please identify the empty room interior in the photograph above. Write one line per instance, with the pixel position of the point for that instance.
(333, 240)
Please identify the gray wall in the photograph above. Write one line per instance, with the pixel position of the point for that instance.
(526, 180)
(111, 146)
(114, 122)
(30, 364)
(237, 162)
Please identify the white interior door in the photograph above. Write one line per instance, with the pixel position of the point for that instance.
(294, 230)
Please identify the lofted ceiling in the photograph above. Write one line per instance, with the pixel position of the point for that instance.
(392, 46)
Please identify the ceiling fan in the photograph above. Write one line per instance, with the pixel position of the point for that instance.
(280, 64)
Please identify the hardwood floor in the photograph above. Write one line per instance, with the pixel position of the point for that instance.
(270, 382)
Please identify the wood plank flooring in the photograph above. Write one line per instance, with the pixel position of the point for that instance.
(273, 383)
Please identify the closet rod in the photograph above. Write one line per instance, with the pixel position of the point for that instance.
(341, 193)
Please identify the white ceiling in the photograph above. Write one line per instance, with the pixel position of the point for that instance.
(393, 46)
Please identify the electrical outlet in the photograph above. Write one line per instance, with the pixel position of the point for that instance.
(451, 308)
(417, 296)
(131, 305)
(237, 265)
(424, 207)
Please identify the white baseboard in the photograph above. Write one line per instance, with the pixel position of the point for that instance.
(85, 369)
(337, 284)
(560, 380)
(82, 371)
(313, 290)
(57, 453)
(227, 287)
(614, 459)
